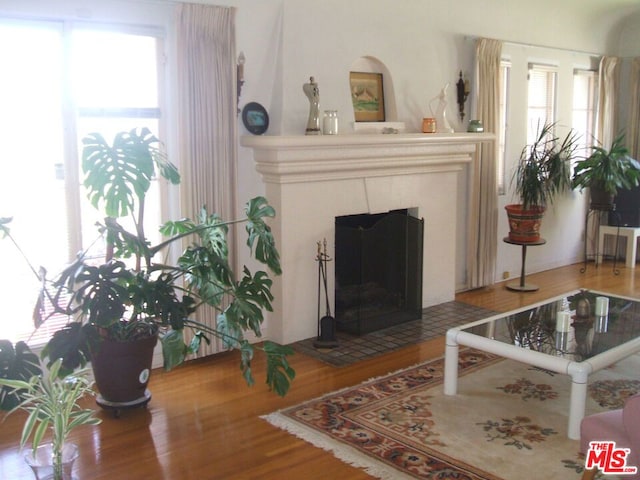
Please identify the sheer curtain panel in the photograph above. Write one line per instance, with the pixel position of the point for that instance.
(608, 74)
(633, 142)
(207, 134)
(484, 246)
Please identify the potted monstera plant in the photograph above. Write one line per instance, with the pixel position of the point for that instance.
(121, 305)
(604, 172)
(542, 172)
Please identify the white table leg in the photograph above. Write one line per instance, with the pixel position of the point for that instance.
(577, 403)
(600, 245)
(451, 363)
(630, 257)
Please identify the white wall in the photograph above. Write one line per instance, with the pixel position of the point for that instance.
(562, 225)
(423, 43)
(629, 36)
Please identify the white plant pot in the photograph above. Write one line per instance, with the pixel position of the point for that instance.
(42, 462)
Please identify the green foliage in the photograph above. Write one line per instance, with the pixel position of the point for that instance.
(279, 372)
(131, 295)
(52, 404)
(16, 363)
(260, 233)
(4, 229)
(120, 173)
(608, 170)
(544, 168)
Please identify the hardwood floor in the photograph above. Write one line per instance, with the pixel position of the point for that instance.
(203, 421)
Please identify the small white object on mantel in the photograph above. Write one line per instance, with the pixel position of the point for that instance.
(379, 127)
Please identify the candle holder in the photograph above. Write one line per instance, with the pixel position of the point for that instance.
(601, 324)
(602, 306)
(562, 340)
(463, 90)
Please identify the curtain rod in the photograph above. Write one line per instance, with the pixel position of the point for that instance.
(531, 45)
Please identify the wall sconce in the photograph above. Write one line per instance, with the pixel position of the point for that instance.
(463, 92)
(240, 76)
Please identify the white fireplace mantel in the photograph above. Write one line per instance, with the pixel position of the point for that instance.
(310, 180)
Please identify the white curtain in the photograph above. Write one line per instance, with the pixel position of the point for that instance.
(608, 74)
(207, 133)
(484, 241)
(633, 131)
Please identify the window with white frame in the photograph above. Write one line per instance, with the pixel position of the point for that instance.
(63, 81)
(585, 92)
(541, 106)
(505, 78)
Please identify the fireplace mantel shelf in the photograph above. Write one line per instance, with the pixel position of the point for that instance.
(311, 180)
(302, 158)
(310, 141)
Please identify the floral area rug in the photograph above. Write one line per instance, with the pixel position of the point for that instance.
(508, 420)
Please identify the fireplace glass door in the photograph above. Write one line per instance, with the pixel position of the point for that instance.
(378, 270)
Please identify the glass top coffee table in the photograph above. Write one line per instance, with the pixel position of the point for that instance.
(575, 334)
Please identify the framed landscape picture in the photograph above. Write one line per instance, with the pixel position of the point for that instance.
(367, 96)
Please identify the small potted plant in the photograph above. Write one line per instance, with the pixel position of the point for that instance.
(604, 172)
(52, 404)
(120, 306)
(543, 171)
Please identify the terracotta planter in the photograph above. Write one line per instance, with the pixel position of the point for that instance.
(122, 371)
(524, 225)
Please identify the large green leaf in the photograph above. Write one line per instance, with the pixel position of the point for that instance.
(279, 372)
(250, 296)
(102, 292)
(260, 239)
(119, 174)
(173, 348)
(4, 229)
(230, 331)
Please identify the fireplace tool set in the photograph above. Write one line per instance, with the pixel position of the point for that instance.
(326, 324)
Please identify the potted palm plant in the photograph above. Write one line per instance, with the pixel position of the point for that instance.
(52, 404)
(604, 172)
(119, 307)
(543, 171)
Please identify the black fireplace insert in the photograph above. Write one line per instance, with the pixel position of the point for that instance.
(378, 268)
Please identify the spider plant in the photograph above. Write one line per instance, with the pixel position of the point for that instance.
(52, 404)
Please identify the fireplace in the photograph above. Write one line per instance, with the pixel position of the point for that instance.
(378, 270)
(312, 179)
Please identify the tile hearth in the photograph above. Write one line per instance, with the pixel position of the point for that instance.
(434, 323)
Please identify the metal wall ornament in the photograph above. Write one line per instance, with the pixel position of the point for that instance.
(462, 89)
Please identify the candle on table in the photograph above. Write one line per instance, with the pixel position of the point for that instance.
(602, 306)
(563, 321)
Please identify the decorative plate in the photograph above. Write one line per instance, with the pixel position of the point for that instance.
(255, 118)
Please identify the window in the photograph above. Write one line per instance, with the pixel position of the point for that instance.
(585, 88)
(65, 80)
(505, 78)
(541, 98)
